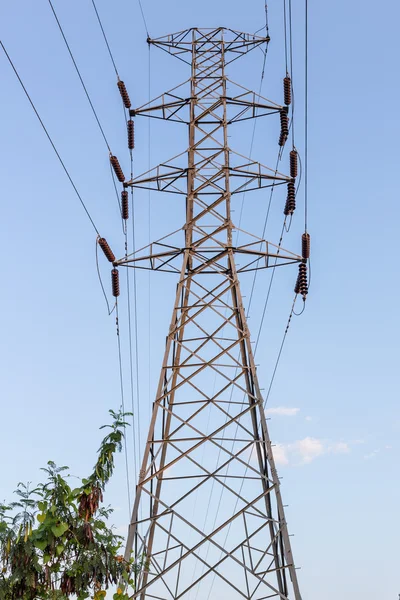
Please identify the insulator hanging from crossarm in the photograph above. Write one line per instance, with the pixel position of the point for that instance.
(117, 168)
(131, 134)
(284, 126)
(290, 205)
(287, 90)
(301, 286)
(293, 163)
(305, 245)
(115, 282)
(108, 253)
(124, 205)
(124, 94)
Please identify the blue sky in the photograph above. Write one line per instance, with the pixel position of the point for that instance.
(334, 407)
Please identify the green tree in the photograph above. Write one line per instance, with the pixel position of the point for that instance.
(55, 541)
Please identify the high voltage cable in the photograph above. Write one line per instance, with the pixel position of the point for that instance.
(149, 225)
(291, 66)
(118, 201)
(135, 413)
(105, 38)
(144, 18)
(49, 138)
(256, 120)
(80, 76)
(121, 382)
(306, 121)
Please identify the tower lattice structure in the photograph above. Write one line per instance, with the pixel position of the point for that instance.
(208, 519)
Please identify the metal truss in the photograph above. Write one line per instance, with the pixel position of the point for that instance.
(208, 519)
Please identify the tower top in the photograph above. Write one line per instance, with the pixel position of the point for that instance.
(208, 40)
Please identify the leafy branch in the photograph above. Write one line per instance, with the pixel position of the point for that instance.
(55, 541)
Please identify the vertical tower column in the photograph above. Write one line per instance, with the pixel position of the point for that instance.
(208, 518)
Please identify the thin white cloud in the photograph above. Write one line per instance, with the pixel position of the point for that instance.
(282, 411)
(309, 418)
(340, 448)
(280, 454)
(309, 449)
(306, 450)
(371, 454)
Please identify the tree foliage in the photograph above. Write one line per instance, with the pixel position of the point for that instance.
(55, 540)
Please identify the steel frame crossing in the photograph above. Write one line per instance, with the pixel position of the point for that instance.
(208, 519)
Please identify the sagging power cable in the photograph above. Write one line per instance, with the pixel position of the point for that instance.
(80, 76)
(49, 138)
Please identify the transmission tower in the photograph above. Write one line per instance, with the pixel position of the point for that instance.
(208, 519)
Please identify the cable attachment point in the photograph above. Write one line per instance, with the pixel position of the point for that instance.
(284, 126)
(124, 94)
(301, 286)
(108, 253)
(131, 134)
(287, 90)
(305, 245)
(290, 205)
(293, 163)
(117, 168)
(115, 282)
(124, 205)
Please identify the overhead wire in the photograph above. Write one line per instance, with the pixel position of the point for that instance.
(291, 68)
(285, 35)
(89, 217)
(80, 76)
(134, 409)
(143, 18)
(105, 38)
(149, 230)
(50, 139)
(121, 382)
(306, 120)
(84, 85)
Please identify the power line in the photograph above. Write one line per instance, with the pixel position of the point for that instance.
(285, 34)
(117, 196)
(306, 121)
(280, 353)
(144, 18)
(49, 138)
(105, 38)
(80, 76)
(121, 382)
(291, 67)
(135, 413)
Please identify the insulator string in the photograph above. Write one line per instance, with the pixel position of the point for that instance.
(110, 311)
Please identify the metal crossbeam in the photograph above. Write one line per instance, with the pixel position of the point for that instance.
(208, 506)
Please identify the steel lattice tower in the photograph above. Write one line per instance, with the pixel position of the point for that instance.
(208, 508)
